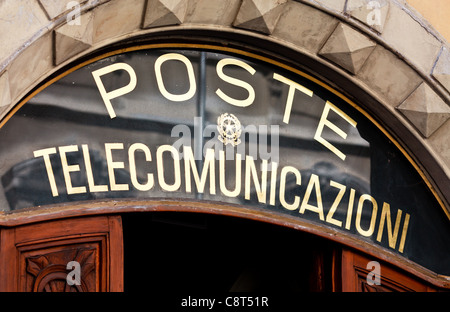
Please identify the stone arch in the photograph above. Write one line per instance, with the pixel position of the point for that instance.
(379, 52)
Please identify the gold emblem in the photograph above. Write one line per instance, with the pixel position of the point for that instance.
(229, 129)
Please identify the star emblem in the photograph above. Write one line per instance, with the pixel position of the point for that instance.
(229, 129)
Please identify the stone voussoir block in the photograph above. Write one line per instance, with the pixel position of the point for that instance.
(20, 21)
(333, 5)
(425, 110)
(441, 71)
(441, 144)
(73, 38)
(30, 66)
(114, 19)
(388, 76)
(304, 26)
(259, 15)
(212, 12)
(5, 95)
(347, 48)
(164, 13)
(404, 34)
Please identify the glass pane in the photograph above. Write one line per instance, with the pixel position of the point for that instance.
(155, 123)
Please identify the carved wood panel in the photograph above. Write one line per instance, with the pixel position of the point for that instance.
(48, 269)
(72, 255)
(354, 276)
(50, 274)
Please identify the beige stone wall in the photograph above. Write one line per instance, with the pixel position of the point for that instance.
(437, 12)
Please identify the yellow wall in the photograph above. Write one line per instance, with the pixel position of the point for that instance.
(437, 12)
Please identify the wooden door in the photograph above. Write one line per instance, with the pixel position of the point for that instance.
(39, 257)
(354, 277)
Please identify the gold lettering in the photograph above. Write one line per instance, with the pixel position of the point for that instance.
(371, 228)
(292, 87)
(190, 71)
(298, 181)
(336, 202)
(313, 182)
(48, 166)
(176, 168)
(237, 185)
(405, 230)
(251, 92)
(112, 165)
(386, 216)
(250, 170)
(108, 96)
(325, 122)
(273, 183)
(209, 165)
(351, 201)
(132, 161)
(67, 169)
(90, 176)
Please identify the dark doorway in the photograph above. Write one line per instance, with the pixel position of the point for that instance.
(172, 251)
